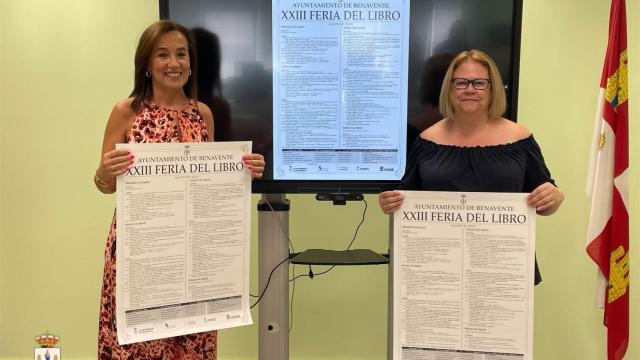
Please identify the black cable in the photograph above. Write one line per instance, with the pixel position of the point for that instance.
(268, 281)
(292, 251)
(310, 274)
(293, 291)
(282, 228)
(364, 212)
(297, 277)
(320, 273)
(355, 235)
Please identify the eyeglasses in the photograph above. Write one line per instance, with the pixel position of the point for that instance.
(478, 84)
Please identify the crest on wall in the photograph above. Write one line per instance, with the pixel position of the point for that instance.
(47, 349)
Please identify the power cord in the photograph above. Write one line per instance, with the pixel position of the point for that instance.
(291, 249)
(268, 281)
(310, 274)
(291, 252)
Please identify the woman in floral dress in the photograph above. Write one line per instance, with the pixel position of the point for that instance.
(161, 108)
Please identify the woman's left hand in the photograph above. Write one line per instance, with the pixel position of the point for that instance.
(546, 198)
(255, 164)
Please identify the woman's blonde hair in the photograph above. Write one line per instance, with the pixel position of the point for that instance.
(498, 104)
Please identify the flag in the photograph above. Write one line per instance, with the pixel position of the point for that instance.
(608, 238)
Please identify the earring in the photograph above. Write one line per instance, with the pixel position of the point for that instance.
(189, 72)
(147, 73)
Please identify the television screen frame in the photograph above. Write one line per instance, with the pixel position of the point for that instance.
(268, 185)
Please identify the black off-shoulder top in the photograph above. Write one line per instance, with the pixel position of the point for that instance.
(514, 167)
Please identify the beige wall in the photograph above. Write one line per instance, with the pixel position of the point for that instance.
(64, 63)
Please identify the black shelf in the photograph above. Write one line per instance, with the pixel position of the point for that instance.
(339, 257)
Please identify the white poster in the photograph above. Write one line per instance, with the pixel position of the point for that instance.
(183, 230)
(340, 89)
(463, 272)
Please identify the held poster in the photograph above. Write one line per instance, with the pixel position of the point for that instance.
(183, 235)
(463, 272)
(340, 89)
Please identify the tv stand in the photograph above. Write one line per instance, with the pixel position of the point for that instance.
(273, 248)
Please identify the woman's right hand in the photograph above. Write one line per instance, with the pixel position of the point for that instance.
(114, 163)
(390, 201)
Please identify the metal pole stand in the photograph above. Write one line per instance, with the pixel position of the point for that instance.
(273, 248)
(390, 294)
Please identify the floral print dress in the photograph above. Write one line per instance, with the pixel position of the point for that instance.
(153, 124)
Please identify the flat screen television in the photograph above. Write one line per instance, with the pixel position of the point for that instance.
(236, 73)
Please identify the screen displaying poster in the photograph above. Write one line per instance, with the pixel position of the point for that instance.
(340, 89)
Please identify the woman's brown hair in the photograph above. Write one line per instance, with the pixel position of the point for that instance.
(142, 89)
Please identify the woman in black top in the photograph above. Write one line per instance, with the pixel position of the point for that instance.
(473, 148)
